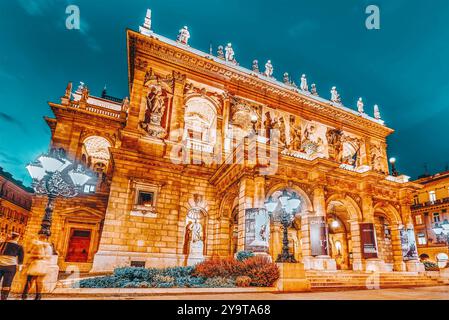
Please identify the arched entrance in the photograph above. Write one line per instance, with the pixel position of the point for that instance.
(295, 234)
(340, 244)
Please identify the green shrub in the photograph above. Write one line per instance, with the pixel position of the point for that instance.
(99, 282)
(178, 272)
(189, 282)
(136, 274)
(243, 255)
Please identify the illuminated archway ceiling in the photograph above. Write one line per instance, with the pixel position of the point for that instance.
(97, 147)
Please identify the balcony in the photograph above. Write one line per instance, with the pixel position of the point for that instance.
(430, 203)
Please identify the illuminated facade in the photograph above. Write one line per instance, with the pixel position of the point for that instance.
(15, 205)
(430, 207)
(200, 141)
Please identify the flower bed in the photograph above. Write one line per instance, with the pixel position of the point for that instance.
(430, 266)
(248, 271)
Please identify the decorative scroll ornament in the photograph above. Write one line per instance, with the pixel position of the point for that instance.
(54, 185)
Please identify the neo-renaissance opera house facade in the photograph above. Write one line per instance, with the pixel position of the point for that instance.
(199, 142)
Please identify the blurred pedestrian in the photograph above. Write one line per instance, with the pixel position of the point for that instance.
(11, 259)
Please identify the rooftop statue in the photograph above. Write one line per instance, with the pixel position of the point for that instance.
(335, 96)
(80, 87)
(125, 105)
(220, 52)
(229, 56)
(269, 69)
(376, 112)
(313, 89)
(360, 106)
(184, 35)
(256, 66)
(286, 78)
(147, 23)
(304, 85)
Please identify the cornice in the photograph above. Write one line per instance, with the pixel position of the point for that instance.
(152, 47)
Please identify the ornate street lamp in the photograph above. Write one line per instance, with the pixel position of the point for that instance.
(289, 207)
(394, 172)
(55, 176)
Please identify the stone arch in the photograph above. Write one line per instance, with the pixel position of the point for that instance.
(307, 207)
(200, 119)
(389, 212)
(353, 209)
(95, 150)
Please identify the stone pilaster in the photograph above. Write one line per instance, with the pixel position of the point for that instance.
(398, 261)
(357, 260)
(176, 126)
(246, 192)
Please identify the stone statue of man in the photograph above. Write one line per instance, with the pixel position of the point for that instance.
(256, 66)
(269, 69)
(229, 56)
(184, 35)
(360, 106)
(376, 112)
(335, 96)
(304, 85)
(313, 90)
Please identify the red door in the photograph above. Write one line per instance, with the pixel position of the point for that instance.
(79, 243)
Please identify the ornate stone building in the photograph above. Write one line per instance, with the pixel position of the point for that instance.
(430, 207)
(15, 205)
(199, 142)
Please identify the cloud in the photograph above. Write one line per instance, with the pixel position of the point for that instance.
(9, 159)
(8, 119)
(35, 7)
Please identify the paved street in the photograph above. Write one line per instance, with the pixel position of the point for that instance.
(422, 293)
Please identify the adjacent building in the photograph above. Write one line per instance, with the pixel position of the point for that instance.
(430, 208)
(189, 160)
(15, 205)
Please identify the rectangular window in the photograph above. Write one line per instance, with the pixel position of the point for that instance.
(432, 196)
(436, 217)
(416, 200)
(145, 199)
(418, 219)
(422, 238)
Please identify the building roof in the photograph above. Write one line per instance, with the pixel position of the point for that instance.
(147, 32)
(433, 178)
(8, 176)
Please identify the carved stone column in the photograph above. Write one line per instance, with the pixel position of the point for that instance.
(371, 264)
(398, 260)
(245, 201)
(357, 260)
(316, 235)
(136, 95)
(176, 127)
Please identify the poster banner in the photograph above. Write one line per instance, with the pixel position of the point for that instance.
(318, 236)
(368, 240)
(257, 230)
(408, 242)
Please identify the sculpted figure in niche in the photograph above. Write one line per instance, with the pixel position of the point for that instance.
(295, 135)
(268, 124)
(377, 159)
(312, 143)
(334, 140)
(282, 134)
(155, 106)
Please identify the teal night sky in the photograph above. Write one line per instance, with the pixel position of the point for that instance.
(403, 67)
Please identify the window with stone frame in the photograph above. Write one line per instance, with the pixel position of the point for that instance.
(418, 219)
(145, 199)
(422, 239)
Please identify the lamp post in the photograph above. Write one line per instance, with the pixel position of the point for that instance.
(254, 119)
(55, 176)
(442, 229)
(394, 172)
(289, 206)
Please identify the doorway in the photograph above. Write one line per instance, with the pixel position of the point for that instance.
(79, 244)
